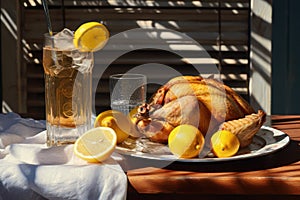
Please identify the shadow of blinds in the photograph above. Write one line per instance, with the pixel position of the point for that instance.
(221, 27)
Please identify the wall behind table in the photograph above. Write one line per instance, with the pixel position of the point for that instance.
(220, 26)
(261, 55)
(286, 57)
(10, 75)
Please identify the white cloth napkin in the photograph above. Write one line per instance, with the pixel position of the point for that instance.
(31, 170)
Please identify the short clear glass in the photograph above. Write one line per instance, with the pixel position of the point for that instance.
(127, 91)
(68, 91)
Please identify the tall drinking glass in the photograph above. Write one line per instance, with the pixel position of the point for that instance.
(127, 91)
(68, 89)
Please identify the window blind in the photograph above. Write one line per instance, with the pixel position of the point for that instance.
(220, 26)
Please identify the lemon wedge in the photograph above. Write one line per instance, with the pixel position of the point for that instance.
(91, 36)
(96, 145)
(186, 141)
(117, 121)
(224, 144)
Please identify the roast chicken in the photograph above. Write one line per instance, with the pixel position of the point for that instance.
(203, 102)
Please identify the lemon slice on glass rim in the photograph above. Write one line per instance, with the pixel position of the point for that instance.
(96, 145)
(90, 37)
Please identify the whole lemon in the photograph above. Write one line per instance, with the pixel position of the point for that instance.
(224, 144)
(117, 121)
(186, 141)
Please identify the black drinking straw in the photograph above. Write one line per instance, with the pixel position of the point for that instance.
(45, 5)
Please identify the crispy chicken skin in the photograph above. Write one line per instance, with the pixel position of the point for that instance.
(245, 128)
(202, 102)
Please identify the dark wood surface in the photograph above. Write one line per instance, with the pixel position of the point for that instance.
(273, 176)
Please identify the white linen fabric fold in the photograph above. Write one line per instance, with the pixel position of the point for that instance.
(31, 170)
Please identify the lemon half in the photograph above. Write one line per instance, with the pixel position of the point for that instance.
(91, 36)
(96, 145)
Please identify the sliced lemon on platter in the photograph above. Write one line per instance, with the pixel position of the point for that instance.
(186, 141)
(91, 36)
(96, 145)
(116, 120)
(224, 144)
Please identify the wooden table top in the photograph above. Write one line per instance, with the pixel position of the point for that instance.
(273, 174)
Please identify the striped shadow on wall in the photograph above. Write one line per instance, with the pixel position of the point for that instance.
(220, 26)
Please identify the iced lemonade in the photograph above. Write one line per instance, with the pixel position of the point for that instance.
(68, 90)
